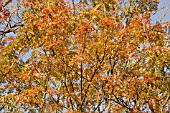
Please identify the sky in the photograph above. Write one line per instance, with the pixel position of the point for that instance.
(160, 14)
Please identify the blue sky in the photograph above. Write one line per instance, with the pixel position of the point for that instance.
(158, 16)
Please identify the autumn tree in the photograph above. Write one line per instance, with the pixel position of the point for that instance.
(91, 56)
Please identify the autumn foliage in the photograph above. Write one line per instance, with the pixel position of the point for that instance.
(92, 56)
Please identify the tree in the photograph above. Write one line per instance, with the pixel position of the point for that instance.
(94, 56)
(10, 21)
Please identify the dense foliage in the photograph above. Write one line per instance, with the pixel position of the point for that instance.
(91, 56)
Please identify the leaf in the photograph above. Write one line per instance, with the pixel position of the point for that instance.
(150, 104)
(104, 56)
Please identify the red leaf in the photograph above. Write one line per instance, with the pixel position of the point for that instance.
(1, 47)
(150, 104)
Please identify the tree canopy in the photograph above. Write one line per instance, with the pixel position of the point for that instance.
(92, 56)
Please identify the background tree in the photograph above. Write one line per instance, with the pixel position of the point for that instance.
(104, 56)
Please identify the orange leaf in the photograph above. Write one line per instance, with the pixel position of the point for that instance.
(150, 104)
